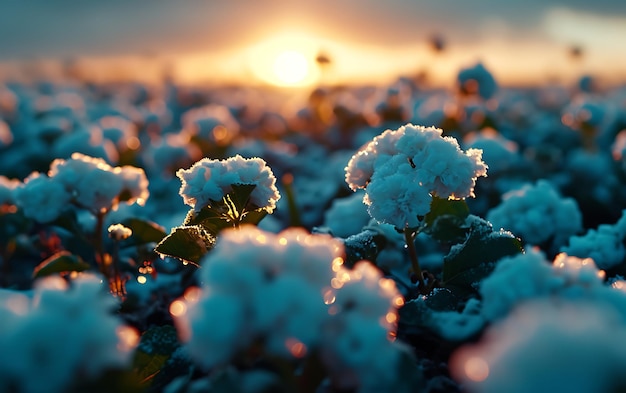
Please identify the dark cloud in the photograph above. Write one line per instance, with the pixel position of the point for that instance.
(42, 28)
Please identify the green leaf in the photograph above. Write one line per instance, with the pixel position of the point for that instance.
(442, 299)
(144, 232)
(240, 196)
(471, 261)
(155, 348)
(61, 262)
(363, 246)
(211, 219)
(68, 220)
(445, 221)
(187, 243)
(448, 207)
(254, 216)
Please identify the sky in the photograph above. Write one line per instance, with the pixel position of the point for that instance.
(366, 40)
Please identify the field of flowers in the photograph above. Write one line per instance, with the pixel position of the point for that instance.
(399, 239)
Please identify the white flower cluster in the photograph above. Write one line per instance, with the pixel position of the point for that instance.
(546, 347)
(605, 245)
(210, 180)
(211, 122)
(538, 214)
(346, 216)
(477, 80)
(530, 276)
(61, 335)
(88, 182)
(401, 170)
(291, 292)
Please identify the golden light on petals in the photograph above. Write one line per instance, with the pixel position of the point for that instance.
(141, 279)
(128, 336)
(337, 264)
(192, 294)
(220, 133)
(295, 347)
(476, 369)
(178, 308)
(18, 304)
(619, 285)
(329, 296)
(282, 241)
(398, 301)
(133, 143)
(262, 239)
(336, 283)
(391, 317)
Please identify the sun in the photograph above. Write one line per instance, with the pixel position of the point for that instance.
(291, 67)
(285, 61)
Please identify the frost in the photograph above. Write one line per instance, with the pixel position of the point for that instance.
(538, 214)
(210, 180)
(60, 334)
(42, 198)
(400, 171)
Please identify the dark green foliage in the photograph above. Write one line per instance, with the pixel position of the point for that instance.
(469, 262)
(144, 232)
(187, 243)
(61, 262)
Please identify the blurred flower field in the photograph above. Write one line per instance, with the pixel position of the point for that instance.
(400, 238)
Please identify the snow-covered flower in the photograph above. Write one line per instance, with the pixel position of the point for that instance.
(363, 309)
(477, 80)
(95, 185)
(211, 122)
(291, 292)
(62, 335)
(605, 245)
(210, 180)
(346, 216)
(538, 214)
(119, 232)
(547, 347)
(402, 170)
(42, 198)
(530, 276)
(259, 285)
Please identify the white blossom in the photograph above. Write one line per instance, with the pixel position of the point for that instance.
(402, 170)
(61, 335)
(95, 185)
(42, 198)
(210, 180)
(537, 214)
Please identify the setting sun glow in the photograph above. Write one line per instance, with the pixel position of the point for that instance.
(291, 67)
(285, 62)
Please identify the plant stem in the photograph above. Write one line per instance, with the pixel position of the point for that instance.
(98, 246)
(409, 237)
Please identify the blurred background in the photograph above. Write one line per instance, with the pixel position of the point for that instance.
(305, 43)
